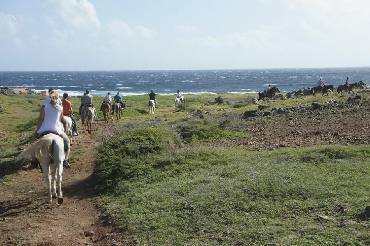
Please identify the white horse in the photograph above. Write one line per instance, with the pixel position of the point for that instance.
(152, 106)
(47, 150)
(179, 100)
(90, 115)
(118, 110)
(68, 127)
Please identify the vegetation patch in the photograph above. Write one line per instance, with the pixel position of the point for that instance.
(164, 193)
(195, 131)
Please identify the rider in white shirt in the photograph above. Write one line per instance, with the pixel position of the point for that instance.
(47, 99)
(50, 121)
(108, 98)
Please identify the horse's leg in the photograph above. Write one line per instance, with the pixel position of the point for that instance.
(59, 176)
(46, 169)
(54, 187)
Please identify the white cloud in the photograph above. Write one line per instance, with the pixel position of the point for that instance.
(9, 24)
(258, 38)
(334, 15)
(80, 14)
(119, 29)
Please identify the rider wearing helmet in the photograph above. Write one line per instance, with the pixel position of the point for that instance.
(86, 101)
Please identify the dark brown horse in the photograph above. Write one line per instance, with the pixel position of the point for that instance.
(269, 93)
(324, 89)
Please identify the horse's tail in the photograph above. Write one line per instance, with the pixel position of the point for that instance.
(39, 148)
(28, 153)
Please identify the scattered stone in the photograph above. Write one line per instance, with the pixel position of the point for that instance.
(250, 114)
(315, 105)
(342, 208)
(323, 218)
(89, 233)
(365, 215)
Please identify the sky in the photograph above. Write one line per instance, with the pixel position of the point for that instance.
(189, 34)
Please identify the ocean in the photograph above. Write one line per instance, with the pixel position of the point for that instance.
(187, 81)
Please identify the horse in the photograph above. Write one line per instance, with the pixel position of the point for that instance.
(344, 87)
(89, 118)
(151, 105)
(324, 89)
(358, 85)
(105, 108)
(327, 88)
(269, 93)
(179, 100)
(47, 150)
(68, 127)
(118, 109)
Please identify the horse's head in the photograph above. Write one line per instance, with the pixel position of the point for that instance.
(275, 89)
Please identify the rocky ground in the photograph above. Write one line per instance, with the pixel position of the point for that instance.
(333, 122)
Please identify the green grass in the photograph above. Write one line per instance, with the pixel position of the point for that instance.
(163, 180)
(166, 194)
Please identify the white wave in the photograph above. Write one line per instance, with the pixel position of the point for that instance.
(242, 92)
(124, 88)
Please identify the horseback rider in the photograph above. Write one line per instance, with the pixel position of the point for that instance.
(68, 111)
(152, 96)
(321, 82)
(107, 100)
(179, 96)
(51, 121)
(118, 99)
(86, 101)
(47, 99)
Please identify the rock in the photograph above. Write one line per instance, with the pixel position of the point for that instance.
(341, 208)
(315, 106)
(323, 218)
(250, 114)
(365, 215)
(89, 233)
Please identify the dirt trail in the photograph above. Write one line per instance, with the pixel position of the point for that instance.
(26, 218)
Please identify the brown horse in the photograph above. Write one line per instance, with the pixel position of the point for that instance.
(105, 108)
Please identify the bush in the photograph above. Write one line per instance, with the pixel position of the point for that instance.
(126, 156)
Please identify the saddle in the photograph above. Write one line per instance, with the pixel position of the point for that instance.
(55, 133)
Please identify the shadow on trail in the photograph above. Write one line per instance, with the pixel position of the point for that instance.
(9, 167)
(14, 207)
(81, 189)
(142, 111)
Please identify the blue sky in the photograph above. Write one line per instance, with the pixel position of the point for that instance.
(191, 34)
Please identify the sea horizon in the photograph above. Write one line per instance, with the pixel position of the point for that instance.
(167, 82)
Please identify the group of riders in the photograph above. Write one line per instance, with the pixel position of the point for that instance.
(321, 86)
(55, 112)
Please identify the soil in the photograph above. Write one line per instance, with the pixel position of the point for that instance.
(331, 123)
(27, 218)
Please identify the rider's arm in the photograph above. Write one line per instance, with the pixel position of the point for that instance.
(41, 118)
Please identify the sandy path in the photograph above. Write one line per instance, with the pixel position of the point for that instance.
(26, 218)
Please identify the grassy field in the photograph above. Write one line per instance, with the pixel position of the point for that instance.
(163, 180)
